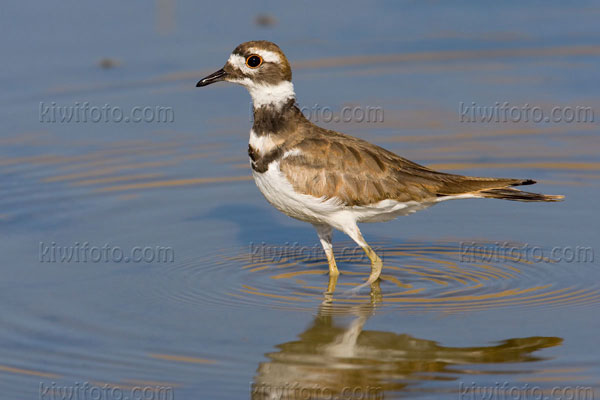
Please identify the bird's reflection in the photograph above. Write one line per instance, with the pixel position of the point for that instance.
(375, 291)
(336, 358)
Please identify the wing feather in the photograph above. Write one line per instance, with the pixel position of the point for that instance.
(331, 164)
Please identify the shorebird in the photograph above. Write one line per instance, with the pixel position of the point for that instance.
(330, 179)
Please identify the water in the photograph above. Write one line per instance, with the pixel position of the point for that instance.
(228, 300)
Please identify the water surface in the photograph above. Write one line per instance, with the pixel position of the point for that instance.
(237, 308)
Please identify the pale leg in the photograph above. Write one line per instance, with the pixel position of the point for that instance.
(325, 233)
(376, 263)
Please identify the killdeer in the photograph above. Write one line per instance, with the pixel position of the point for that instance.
(329, 179)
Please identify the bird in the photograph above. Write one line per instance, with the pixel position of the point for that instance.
(333, 180)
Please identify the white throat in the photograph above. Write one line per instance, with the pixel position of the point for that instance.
(269, 95)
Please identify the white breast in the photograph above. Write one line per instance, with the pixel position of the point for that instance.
(279, 192)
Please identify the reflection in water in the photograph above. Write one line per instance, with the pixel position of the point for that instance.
(331, 359)
(417, 277)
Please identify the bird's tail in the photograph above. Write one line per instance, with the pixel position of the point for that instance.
(493, 188)
(517, 195)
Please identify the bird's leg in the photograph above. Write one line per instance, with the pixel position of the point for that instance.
(376, 263)
(325, 233)
(328, 295)
(376, 296)
(332, 282)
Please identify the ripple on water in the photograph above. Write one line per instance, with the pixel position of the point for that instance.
(416, 277)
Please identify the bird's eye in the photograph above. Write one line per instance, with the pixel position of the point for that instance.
(254, 61)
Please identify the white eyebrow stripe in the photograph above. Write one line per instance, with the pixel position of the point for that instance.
(268, 56)
(237, 61)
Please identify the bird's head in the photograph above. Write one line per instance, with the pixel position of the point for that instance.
(262, 68)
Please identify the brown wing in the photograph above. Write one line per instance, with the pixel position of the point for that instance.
(359, 173)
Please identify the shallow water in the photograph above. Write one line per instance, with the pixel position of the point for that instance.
(476, 295)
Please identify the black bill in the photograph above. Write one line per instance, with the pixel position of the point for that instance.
(212, 78)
